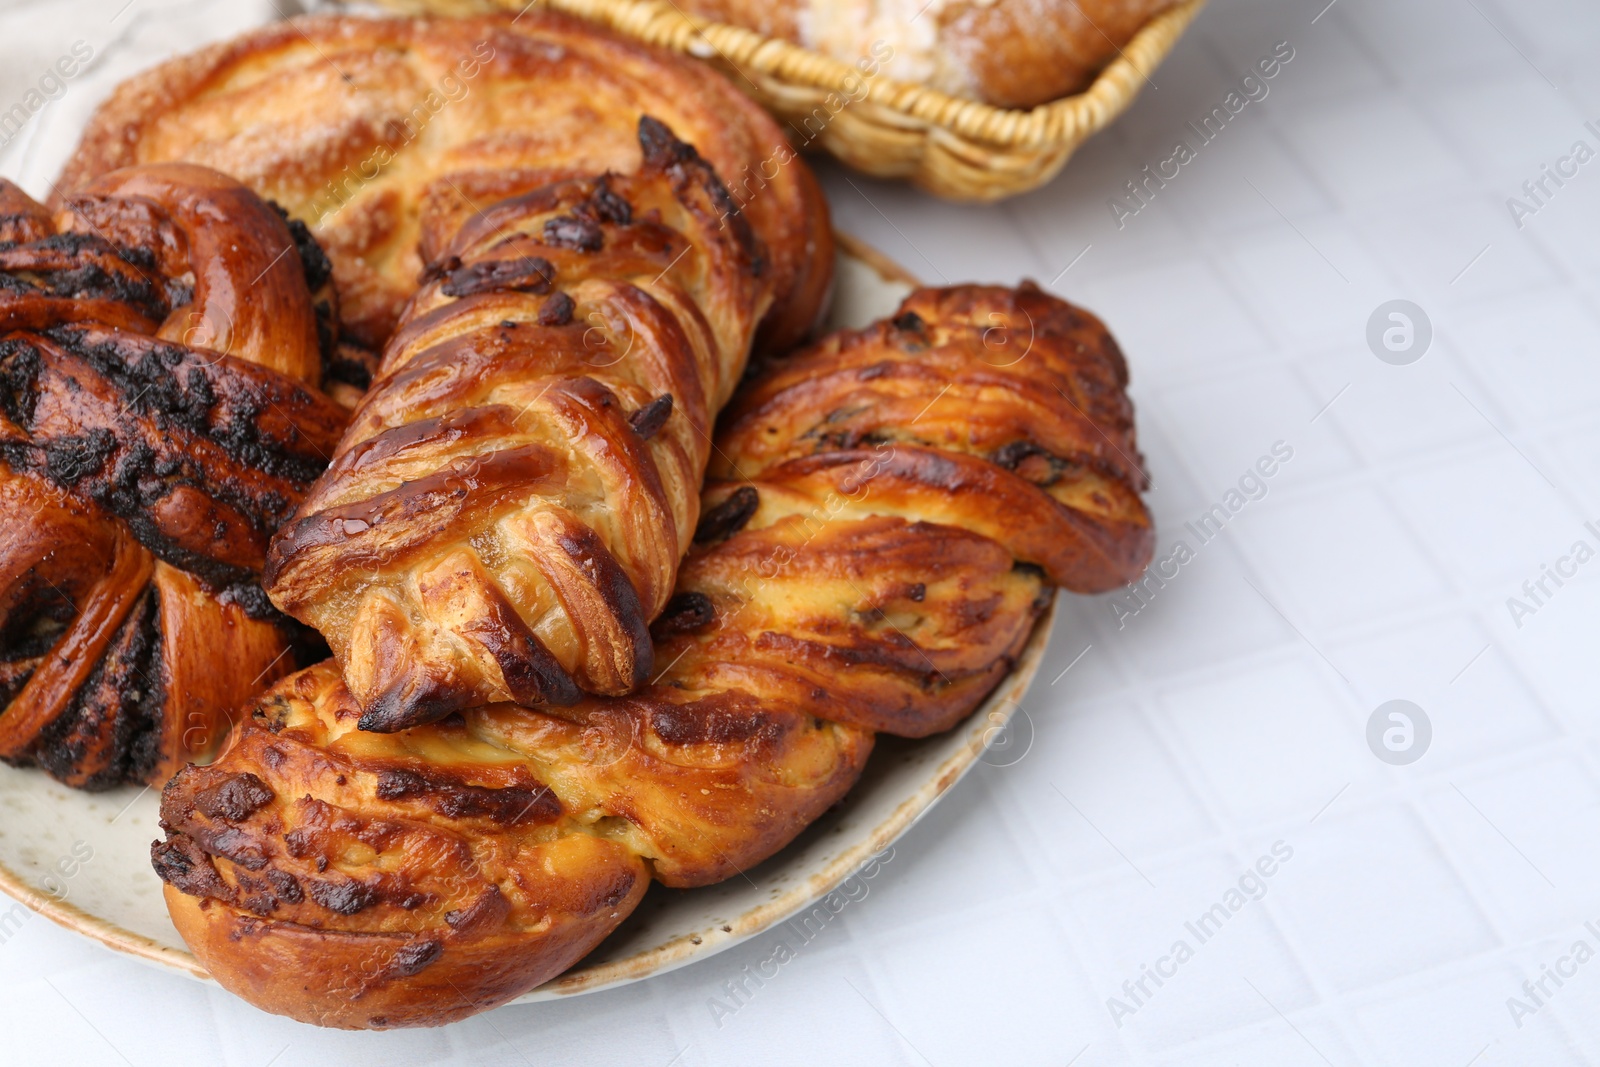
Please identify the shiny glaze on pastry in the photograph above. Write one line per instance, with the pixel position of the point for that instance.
(902, 503)
(383, 134)
(507, 511)
(159, 353)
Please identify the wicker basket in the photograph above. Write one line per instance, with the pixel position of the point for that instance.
(949, 146)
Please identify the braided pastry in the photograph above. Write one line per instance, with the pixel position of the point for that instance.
(914, 493)
(508, 508)
(158, 420)
(385, 133)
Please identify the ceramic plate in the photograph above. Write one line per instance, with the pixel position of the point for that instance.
(83, 860)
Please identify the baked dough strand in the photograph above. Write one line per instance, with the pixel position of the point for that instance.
(902, 502)
(159, 353)
(507, 511)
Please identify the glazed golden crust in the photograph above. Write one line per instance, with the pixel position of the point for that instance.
(378, 132)
(489, 853)
(842, 587)
(507, 511)
(1010, 53)
(1003, 411)
(158, 420)
(279, 881)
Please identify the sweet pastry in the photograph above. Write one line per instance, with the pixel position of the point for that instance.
(507, 511)
(1010, 53)
(905, 501)
(159, 417)
(378, 132)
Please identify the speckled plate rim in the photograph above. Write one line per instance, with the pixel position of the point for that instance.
(994, 713)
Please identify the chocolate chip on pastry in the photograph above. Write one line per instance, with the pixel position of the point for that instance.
(895, 510)
(507, 510)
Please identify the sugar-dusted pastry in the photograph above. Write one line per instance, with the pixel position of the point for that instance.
(507, 511)
(159, 417)
(379, 132)
(1010, 53)
(902, 503)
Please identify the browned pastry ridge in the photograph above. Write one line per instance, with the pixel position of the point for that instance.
(159, 418)
(507, 511)
(907, 498)
(384, 133)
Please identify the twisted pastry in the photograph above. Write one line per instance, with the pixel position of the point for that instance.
(915, 491)
(508, 508)
(384, 134)
(159, 355)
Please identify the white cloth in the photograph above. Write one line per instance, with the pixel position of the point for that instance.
(1230, 713)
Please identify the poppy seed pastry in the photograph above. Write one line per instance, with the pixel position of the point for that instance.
(891, 510)
(507, 511)
(159, 417)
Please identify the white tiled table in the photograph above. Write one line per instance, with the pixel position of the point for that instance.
(1230, 714)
